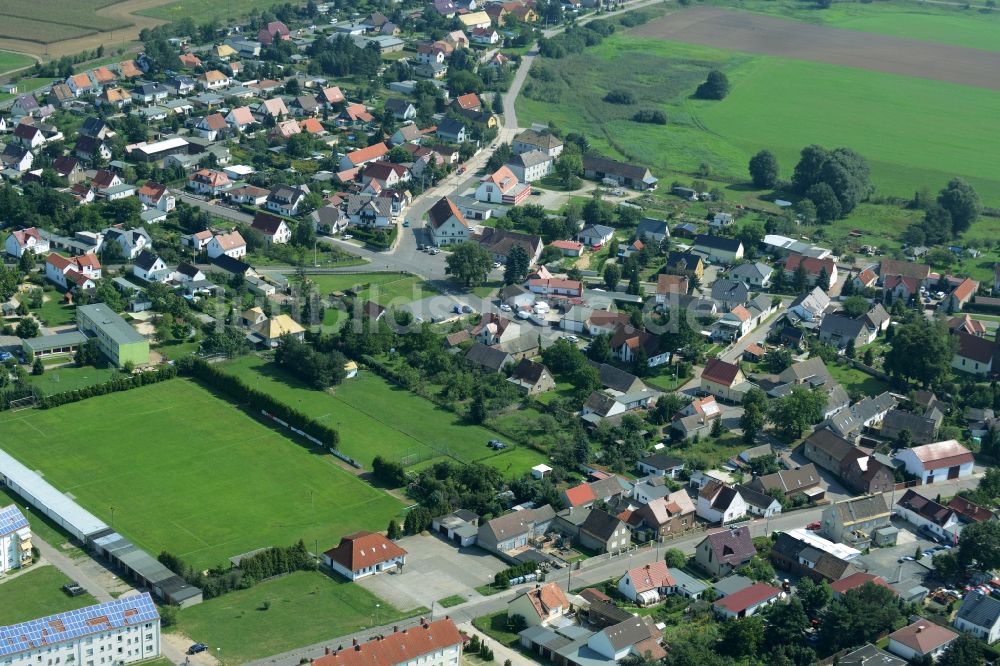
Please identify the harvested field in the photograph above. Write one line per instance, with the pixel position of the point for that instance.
(739, 31)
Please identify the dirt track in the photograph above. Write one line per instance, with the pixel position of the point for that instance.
(741, 31)
(110, 40)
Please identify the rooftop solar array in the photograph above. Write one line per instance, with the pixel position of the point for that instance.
(11, 519)
(123, 612)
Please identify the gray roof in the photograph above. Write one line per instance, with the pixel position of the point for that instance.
(110, 323)
(687, 582)
(841, 325)
(596, 230)
(730, 290)
(815, 300)
(601, 524)
(750, 270)
(732, 585)
(649, 225)
(47, 342)
(754, 498)
(979, 609)
(530, 159)
(487, 357)
(627, 633)
(861, 508)
(869, 655)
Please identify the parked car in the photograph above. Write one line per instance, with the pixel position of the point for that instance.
(813, 526)
(504, 307)
(196, 648)
(467, 309)
(6, 356)
(457, 309)
(73, 589)
(496, 444)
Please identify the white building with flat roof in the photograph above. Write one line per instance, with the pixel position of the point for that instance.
(122, 631)
(15, 539)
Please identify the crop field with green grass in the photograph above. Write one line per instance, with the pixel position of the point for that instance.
(376, 418)
(283, 613)
(191, 473)
(205, 12)
(70, 378)
(898, 18)
(10, 60)
(48, 21)
(36, 593)
(383, 288)
(914, 132)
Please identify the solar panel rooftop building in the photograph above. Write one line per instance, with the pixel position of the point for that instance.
(122, 631)
(15, 539)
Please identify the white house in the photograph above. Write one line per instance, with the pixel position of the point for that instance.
(272, 228)
(150, 268)
(926, 514)
(79, 272)
(540, 605)
(364, 554)
(747, 601)
(937, 461)
(127, 630)
(131, 241)
(979, 615)
(531, 166)
(15, 539)
(447, 223)
(231, 245)
(919, 639)
(647, 584)
(430, 643)
(26, 240)
(209, 181)
(719, 503)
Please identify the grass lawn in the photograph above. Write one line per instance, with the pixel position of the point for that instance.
(774, 103)
(495, 626)
(708, 451)
(453, 600)
(176, 350)
(53, 312)
(36, 593)
(921, 21)
(70, 378)
(855, 381)
(25, 85)
(189, 472)
(376, 418)
(384, 288)
(305, 607)
(10, 60)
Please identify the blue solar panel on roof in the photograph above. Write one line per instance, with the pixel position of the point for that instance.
(11, 519)
(74, 623)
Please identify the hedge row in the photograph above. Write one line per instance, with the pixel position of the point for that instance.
(240, 391)
(121, 383)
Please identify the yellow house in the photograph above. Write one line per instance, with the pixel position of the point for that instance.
(225, 51)
(272, 330)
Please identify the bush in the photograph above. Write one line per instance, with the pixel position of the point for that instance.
(620, 97)
(122, 383)
(651, 117)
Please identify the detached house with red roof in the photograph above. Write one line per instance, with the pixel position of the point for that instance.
(648, 584)
(540, 605)
(155, 195)
(26, 240)
(747, 602)
(502, 187)
(448, 225)
(437, 643)
(937, 461)
(232, 245)
(921, 639)
(724, 380)
(275, 30)
(813, 267)
(362, 156)
(961, 294)
(73, 272)
(364, 554)
(209, 181)
(974, 354)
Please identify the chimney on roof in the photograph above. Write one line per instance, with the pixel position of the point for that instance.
(423, 621)
(357, 648)
(447, 617)
(354, 641)
(395, 628)
(920, 628)
(326, 650)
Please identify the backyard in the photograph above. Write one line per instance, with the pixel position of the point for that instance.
(175, 467)
(414, 430)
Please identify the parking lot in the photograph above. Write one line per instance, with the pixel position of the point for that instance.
(434, 569)
(885, 562)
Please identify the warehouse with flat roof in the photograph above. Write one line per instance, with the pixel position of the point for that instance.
(115, 337)
(49, 345)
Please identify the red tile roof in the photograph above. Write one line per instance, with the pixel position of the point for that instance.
(752, 596)
(580, 495)
(812, 265)
(856, 580)
(720, 372)
(923, 636)
(867, 277)
(970, 510)
(651, 577)
(367, 154)
(965, 290)
(469, 101)
(399, 647)
(364, 549)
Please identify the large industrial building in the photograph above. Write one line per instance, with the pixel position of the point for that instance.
(122, 631)
(115, 337)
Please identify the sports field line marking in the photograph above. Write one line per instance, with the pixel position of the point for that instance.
(28, 423)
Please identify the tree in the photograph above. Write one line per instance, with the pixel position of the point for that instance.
(800, 278)
(305, 234)
(716, 86)
(757, 569)
(962, 202)
(979, 543)
(754, 413)
(599, 349)
(851, 349)
(88, 353)
(394, 532)
(37, 367)
(814, 597)
(793, 413)
(855, 306)
(921, 351)
(569, 166)
(844, 171)
(716, 430)
(27, 328)
(858, 617)
(827, 206)
(469, 263)
(776, 360)
(498, 158)
(869, 357)
(786, 623)
(612, 275)
(742, 637)
(518, 265)
(966, 650)
(675, 558)
(764, 169)
(26, 263)
(634, 288)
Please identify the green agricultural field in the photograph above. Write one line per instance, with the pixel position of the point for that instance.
(914, 132)
(36, 593)
(376, 418)
(10, 60)
(190, 472)
(205, 12)
(48, 21)
(304, 608)
(922, 21)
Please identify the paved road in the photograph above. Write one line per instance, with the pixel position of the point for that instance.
(572, 580)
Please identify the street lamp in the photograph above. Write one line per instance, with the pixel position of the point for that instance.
(112, 516)
(377, 619)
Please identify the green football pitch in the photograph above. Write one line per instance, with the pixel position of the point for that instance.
(183, 470)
